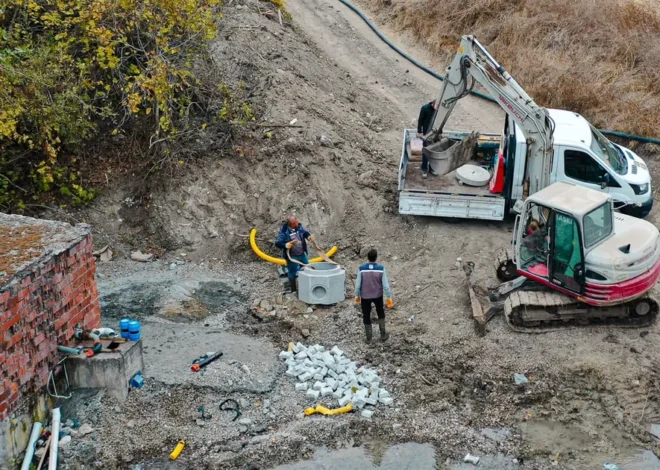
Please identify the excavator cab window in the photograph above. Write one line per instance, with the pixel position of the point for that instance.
(567, 265)
(534, 247)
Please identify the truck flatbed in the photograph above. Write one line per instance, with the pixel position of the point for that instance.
(444, 196)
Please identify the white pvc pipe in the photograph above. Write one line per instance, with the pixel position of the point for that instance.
(29, 452)
(54, 439)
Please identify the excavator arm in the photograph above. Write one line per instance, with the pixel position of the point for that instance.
(474, 63)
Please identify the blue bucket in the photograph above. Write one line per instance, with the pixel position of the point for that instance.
(134, 330)
(123, 327)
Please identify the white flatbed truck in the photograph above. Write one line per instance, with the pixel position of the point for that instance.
(539, 146)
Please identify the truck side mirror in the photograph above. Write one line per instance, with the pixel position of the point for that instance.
(605, 181)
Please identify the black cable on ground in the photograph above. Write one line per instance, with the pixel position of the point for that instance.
(646, 140)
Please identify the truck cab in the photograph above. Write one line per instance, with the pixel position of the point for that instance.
(583, 156)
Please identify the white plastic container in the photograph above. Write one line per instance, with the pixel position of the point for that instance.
(324, 284)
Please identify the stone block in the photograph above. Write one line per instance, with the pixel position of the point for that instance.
(371, 401)
(386, 401)
(325, 391)
(367, 414)
(318, 385)
(301, 355)
(330, 382)
(284, 355)
(336, 351)
(301, 387)
(319, 377)
(338, 393)
(313, 393)
(344, 401)
(383, 394)
(333, 374)
(358, 402)
(305, 377)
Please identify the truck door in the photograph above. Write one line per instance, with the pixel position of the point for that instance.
(566, 253)
(581, 168)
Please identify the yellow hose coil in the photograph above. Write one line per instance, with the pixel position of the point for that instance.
(280, 261)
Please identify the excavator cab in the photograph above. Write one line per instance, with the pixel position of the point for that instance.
(551, 250)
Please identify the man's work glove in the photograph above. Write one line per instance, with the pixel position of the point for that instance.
(311, 238)
(390, 303)
(358, 300)
(290, 245)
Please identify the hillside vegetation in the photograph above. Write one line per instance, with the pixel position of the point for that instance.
(85, 82)
(600, 58)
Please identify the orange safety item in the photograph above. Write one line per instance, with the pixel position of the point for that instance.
(194, 367)
(390, 303)
(358, 300)
(497, 181)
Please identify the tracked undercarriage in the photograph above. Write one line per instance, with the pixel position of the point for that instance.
(534, 311)
(530, 307)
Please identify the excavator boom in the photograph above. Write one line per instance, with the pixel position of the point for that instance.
(473, 64)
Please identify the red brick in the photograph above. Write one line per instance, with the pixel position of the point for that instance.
(37, 340)
(13, 319)
(15, 339)
(60, 322)
(4, 296)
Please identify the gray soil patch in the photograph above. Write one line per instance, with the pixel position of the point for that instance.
(247, 363)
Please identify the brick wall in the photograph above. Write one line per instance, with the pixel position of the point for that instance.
(40, 308)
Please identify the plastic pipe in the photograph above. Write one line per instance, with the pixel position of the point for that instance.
(647, 140)
(55, 436)
(29, 452)
(280, 261)
(68, 350)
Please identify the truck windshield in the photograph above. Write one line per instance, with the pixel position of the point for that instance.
(606, 152)
(597, 224)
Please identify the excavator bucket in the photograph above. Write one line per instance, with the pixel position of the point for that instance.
(447, 155)
(477, 310)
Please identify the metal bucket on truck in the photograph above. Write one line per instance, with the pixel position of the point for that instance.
(447, 154)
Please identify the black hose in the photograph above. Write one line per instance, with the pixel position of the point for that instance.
(646, 140)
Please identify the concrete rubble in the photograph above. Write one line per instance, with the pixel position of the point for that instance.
(335, 378)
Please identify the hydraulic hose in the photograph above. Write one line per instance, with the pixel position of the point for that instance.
(280, 261)
(646, 140)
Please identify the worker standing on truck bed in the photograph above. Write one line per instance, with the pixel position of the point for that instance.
(293, 238)
(423, 128)
(369, 287)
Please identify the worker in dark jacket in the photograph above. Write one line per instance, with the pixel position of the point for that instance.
(370, 285)
(424, 123)
(293, 237)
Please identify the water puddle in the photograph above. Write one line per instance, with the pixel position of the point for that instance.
(409, 456)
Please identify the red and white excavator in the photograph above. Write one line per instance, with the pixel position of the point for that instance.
(576, 260)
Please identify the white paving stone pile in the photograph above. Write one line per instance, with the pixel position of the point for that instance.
(330, 375)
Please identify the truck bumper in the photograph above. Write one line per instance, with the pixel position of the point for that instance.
(639, 211)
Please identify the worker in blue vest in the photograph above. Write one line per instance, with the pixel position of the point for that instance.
(370, 286)
(293, 238)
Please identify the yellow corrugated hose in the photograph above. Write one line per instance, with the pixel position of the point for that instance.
(280, 261)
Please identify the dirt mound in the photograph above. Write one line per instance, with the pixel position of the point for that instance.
(599, 58)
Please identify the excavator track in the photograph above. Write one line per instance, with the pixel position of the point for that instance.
(544, 311)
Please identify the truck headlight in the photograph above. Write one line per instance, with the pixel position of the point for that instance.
(640, 188)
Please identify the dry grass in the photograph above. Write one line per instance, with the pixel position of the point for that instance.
(600, 58)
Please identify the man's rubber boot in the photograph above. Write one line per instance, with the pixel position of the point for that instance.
(293, 286)
(383, 333)
(369, 332)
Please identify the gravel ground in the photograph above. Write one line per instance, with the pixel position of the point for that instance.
(592, 392)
